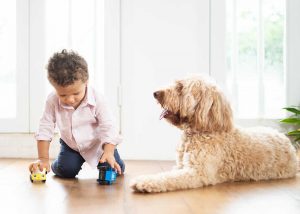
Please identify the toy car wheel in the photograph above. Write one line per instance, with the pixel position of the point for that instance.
(44, 181)
(30, 179)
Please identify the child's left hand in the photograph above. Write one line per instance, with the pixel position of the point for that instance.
(108, 156)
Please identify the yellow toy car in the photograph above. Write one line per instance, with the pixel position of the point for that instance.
(38, 176)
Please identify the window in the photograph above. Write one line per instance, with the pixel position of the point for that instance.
(76, 25)
(255, 57)
(257, 49)
(14, 66)
(8, 59)
(31, 31)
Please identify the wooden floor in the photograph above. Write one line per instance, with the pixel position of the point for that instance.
(84, 195)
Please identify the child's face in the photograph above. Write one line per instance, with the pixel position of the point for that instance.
(71, 95)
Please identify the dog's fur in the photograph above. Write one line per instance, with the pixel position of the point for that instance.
(213, 150)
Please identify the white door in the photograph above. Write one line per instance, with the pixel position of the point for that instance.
(161, 40)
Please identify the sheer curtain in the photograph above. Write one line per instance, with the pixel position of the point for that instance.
(255, 57)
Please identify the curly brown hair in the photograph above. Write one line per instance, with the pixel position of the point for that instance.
(66, 67)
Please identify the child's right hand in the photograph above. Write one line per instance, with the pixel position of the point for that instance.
(39, 164)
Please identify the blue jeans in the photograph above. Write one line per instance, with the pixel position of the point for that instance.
(69, 162)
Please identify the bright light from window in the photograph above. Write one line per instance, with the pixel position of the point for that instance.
(8, 60)
(255, 57)
(74, 25)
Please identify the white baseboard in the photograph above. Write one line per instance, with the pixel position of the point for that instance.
(24, 146)
(13, 145)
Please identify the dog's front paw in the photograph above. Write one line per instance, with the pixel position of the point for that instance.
(147, 184)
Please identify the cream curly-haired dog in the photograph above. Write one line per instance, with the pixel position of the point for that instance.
(213, 150)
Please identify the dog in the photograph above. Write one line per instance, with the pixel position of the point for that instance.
(213, 150)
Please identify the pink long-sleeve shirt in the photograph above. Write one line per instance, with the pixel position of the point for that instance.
(84, 129)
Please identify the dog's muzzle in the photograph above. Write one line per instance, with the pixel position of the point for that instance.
(159, 95)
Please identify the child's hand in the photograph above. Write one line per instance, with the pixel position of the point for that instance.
(110, 159)
(108, 156)
(39, 164)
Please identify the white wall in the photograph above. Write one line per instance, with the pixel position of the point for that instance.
(161, 40)
(24, 146)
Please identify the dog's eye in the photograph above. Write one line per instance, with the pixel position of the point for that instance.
(179, 86)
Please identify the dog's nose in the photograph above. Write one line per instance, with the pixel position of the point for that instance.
(158, 94)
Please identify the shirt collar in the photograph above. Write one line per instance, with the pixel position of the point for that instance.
(89, 97)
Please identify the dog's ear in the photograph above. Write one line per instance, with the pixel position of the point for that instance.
(213, 113)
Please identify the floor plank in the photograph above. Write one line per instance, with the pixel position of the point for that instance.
(85, 195)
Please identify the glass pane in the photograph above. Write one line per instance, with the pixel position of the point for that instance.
(75, 22)
(255, 56)
(274, 25)
(8, 60)
(56, 28)
(247, 73)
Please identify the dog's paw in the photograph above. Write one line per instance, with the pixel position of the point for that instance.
(147, 184)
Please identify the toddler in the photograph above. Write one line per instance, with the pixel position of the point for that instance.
(86, 127)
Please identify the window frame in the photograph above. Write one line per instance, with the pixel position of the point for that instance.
(36, 63)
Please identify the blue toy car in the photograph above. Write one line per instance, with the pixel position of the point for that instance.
(107, 175)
